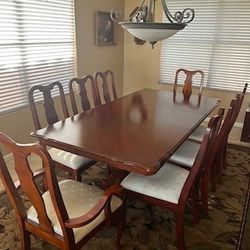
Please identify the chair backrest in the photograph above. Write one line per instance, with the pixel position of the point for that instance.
(48, 103)
(106, 81)
(81, 83)
(223, 132)
(30, 188)
(236, 106)
(187, 88)
(202, 156)
(245, 89)
(241, 98)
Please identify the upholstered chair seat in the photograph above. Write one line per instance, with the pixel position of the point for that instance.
(198, 134)
(78, 198)
(165, 185)
(68, 159)
(185, 155)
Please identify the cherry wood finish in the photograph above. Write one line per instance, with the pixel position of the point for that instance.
(106, 81)
(218, 154)
(48, 103)
(127, 135)
(187, 88)
(81, 83)
(221, 157)
(190, 188)
(44, 228)
(52, 117)
(227, 127)
(215, 125)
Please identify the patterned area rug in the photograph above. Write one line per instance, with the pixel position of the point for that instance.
(152, 228)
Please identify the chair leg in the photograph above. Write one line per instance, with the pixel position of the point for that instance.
(220, 167)
(195, 204)
(180, 230)
(213, 176)
(225, 155)
(204, 191)
(121, 223)
(77, 175)
(25, 239)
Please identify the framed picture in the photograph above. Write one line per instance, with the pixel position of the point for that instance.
(104, 29)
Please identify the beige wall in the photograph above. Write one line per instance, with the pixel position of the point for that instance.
(141, 62)
(141, 66)
(90, 59)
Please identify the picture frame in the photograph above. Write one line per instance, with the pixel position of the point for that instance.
(104, 29)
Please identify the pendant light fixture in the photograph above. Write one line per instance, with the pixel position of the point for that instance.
(141, 22)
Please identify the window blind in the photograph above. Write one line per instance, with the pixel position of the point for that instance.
(216, 42)
(37, 46)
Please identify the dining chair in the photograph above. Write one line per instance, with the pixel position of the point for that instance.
(199, 132)
(72, 163)
(171, 186)
(82, 86)
(240, 97)
(220, 158)
(105, 84)
(69, 213)
(186, 154)
(188, 82)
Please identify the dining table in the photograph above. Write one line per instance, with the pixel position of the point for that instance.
(138, 132)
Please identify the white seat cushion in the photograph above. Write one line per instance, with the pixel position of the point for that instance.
(198, 134)
(185, 155)
(78, 198)
(165, 185)
(68, 159)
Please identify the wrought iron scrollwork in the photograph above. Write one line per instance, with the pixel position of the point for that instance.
(181, 17)
(186, 16)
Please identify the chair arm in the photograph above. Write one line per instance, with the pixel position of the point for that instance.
(96, 210)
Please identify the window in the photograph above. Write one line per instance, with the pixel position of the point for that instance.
(37, 46)
(217, 42)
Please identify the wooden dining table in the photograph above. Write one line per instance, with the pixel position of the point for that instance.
(137, 133)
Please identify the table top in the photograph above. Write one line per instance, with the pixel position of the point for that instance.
(137, 132)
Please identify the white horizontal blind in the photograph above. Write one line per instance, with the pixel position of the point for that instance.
(217, 42)
(37, 46)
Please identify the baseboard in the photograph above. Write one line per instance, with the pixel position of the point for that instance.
(238, 125)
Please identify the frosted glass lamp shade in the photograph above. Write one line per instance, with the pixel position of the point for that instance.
(152, 32)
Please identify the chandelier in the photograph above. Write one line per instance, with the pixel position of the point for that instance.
(141, 22)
